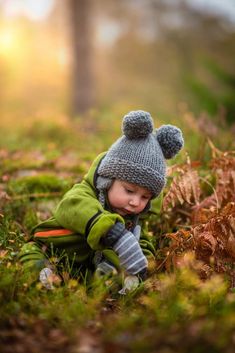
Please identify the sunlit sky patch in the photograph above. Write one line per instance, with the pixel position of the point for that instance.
(224, 8)
(33, 9)
(40, 9)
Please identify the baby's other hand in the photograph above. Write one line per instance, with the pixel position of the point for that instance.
(130, 284)
(48, 278)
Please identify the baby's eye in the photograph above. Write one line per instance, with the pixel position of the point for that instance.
(145, 197)
(129, 191)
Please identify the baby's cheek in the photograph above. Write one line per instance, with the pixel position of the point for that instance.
(144, 204)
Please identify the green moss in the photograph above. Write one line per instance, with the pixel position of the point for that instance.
(38, 184)
(30, 218)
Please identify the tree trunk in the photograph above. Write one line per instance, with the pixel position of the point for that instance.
(82, 76)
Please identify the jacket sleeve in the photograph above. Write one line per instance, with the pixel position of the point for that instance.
(81, 212)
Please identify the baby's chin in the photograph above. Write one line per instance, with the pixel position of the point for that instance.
(123, 212)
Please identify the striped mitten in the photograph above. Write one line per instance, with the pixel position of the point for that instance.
(126, 246)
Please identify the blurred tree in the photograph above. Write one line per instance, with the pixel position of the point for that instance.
(214, 97)
(155, 46)
(81, 42)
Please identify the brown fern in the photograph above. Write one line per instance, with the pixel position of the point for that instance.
(213, 244)
(185, 187)
(205, 244)
(181, 241)
(223, 168)
(211, 234)
(223, 165)
(224, 192)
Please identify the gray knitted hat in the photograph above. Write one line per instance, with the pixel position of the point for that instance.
(139, 155)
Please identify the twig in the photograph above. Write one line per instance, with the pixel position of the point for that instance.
(216, 197)
(183, 212)
(183, 226)
(163, 262)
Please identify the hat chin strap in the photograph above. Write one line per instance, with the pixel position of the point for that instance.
(102, 197)
(103, 184)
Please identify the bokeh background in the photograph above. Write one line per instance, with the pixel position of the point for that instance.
(70, 69)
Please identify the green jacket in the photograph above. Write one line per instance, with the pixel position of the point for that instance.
(80, 221)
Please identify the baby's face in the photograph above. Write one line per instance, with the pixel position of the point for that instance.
(127, 198)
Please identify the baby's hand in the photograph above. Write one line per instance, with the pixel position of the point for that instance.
(130, 254)
(130, 284)
(126, 246)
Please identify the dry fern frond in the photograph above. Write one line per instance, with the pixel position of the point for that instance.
(180, 236)
(213, 244)
(223, 166)
(212, 235)
(217, 236)
(226, 161)
(184, 188)
(201, 214)
(231, 244)
(181, 241)
(205, 244)
(205, 271)
(228, 210)
(225, 186)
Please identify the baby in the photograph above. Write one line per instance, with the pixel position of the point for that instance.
(97, 224)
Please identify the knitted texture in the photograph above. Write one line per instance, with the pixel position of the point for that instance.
(114, 234)
(102, 185)
(170, 139)
(126, 245)
(139, 155)
(130, 254)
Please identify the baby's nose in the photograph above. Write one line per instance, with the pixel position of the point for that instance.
(135, 201)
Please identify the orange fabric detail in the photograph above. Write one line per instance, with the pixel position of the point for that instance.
(53, 233)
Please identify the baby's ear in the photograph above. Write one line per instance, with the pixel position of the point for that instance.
(170, 139)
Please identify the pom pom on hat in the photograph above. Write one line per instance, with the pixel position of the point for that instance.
(170, 139)
(137, 124)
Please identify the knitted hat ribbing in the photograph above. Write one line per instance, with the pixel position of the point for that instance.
(139, 155)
